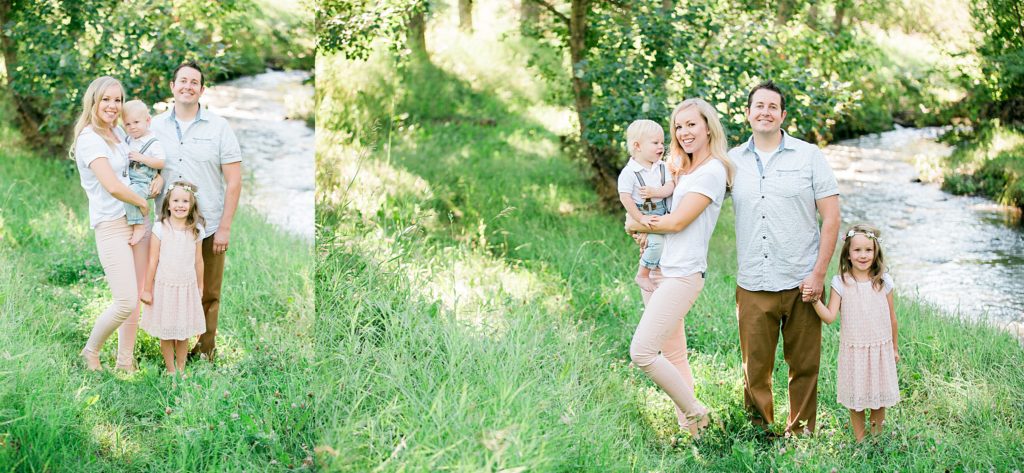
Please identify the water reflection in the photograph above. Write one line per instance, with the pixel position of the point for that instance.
(965, 254)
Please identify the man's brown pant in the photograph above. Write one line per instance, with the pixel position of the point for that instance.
(761, 314)
(213, 274)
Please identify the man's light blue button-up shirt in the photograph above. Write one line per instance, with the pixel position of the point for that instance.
(777, 232)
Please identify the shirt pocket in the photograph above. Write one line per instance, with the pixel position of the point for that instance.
(788, 183)
(201, 149)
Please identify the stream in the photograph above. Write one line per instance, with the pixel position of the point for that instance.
(277, 151)
(964, 254)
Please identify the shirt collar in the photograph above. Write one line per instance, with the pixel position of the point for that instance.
(785, 143)
(635, 166)
(199, 114)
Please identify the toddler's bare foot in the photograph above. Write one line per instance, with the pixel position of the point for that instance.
(645, 283)
(138, 231)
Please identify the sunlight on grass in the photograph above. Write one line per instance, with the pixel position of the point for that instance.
(114, 442)
(360, 179)
(489, 58)
(560, 121)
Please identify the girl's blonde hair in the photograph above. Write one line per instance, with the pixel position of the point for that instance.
(877, 266)
(90, 108)
(639, 129)
(679, 159)
(194, 218)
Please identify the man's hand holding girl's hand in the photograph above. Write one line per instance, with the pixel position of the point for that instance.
(807, 293)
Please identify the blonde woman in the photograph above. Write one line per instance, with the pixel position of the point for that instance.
(101, 155)
(702, 173)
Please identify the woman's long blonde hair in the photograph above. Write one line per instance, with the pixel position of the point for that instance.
(679, 159)
(90, 108)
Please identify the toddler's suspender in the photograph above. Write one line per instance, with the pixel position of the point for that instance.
(153, 140)
(648, 203)
(136, 164)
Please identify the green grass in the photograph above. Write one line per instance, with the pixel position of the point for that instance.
(251, 411)
(475, 304)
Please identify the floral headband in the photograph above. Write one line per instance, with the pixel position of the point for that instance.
(190, 188)
(868, 234)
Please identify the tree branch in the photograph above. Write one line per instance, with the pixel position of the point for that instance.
(552, 9)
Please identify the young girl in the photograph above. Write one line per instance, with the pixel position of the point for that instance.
(868, 353)
(174, 282)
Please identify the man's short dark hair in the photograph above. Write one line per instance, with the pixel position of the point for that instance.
(767, 85)
(193, 65)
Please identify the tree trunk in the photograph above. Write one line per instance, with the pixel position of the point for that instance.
(812, 15)
(417, 35)
(529, 13)
(605, 173)
(837, 21)
(783, 11)
(28, 117)
(466, 15)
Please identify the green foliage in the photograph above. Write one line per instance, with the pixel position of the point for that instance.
(988, 161)
(643, 60)
(628, 68)
(1001, 79)
(350, 27)
(275, 34)
(53, 50)
(814, 68)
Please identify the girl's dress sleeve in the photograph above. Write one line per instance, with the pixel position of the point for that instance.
(887, 284)
(837, 284)
(158, 230)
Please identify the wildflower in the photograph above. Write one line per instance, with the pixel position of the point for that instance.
(226, 393)
(234, 416)
(167, 411)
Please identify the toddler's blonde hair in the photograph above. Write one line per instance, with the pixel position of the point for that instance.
(132, 107)
(639, 129)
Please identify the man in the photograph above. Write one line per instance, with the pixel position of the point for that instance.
(781, 183)
(202, 149)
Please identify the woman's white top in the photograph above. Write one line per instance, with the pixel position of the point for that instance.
(686, 252)
(89, 147)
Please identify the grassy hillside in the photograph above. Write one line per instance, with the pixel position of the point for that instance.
(251, 410)
(475, 303)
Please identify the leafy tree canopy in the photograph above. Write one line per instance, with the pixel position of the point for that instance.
(52, 50)
(349, 27)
